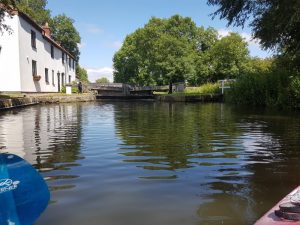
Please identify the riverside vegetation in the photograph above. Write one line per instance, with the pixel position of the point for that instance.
(276, 26)
(175, 49)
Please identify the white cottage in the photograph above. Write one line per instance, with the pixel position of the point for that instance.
(30, 60)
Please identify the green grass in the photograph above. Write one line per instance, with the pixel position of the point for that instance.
(205, 89)
(271, 89)
(208, 88)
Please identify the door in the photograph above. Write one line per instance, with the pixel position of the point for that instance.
(63, 79)
(58, 81)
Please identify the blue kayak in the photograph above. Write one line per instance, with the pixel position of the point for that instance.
(24, 194)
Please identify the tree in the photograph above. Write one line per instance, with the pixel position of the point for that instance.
(257, 65)
(164, 51)
(6, 6)
(172, 50)
(102, 80)
(81, 73)
(62, 26)
(275, 23)
(65, 33)
(36, 9)
(229, 57)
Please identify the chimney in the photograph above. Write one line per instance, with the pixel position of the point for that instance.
(47, 30)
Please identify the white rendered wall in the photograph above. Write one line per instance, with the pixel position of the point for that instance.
(9, 58)
(42, 55)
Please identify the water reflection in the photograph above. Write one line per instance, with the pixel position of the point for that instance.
(222, 149)
(47, 137)
(175, 136)
(157, 163)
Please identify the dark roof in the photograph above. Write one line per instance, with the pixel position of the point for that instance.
(40, 29)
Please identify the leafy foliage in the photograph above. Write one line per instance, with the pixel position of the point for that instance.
(81, 73)
(172, 50)
(229, 57)
(275, 23)
(6, 6)
(63, 31)
(102, 80)
(160, 53)
(36, 9)
(274, 88)
(62, 26)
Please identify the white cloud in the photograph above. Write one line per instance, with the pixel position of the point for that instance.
(248, 37)
(117, 44)
(93, 29)
(81, 45)
(223, 32)
(97, 73)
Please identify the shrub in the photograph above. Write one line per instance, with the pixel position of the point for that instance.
(294, 91)
(208, 88)
(74, 89)
(274, 88)
(63, 89)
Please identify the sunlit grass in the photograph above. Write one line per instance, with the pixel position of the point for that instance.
(208, 88)
(205, 89)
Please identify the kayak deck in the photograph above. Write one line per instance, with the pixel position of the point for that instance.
(271, 219)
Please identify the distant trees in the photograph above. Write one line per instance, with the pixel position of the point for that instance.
(36, 9)
(63, 31)
(6, 6)
(62, 26)
(229, 57)
(81, 73)
(102, 80)
(172, 50)
(275, 23)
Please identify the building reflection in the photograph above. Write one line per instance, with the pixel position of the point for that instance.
(48, 137)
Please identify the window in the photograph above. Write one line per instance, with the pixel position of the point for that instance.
(70, 61)
(69, 79)
(46, 76)
(73, 64)
(34, 70)
(33, 39)
(63, 57)
(53, 78)
(52, 52)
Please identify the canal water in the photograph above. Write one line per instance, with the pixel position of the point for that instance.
(146, 163)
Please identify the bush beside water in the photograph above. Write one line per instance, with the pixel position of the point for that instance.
(272, 89)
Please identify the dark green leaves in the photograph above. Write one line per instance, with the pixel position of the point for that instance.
(63, 31)
(176, 50)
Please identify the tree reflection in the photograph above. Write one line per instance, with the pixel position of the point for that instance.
(243, 161)
(174, 136)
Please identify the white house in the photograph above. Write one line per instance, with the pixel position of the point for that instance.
(30, 60)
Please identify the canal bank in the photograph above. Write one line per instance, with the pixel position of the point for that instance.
(190, 98)
(10, 102)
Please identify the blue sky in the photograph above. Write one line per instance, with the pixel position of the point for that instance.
(103, 25)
